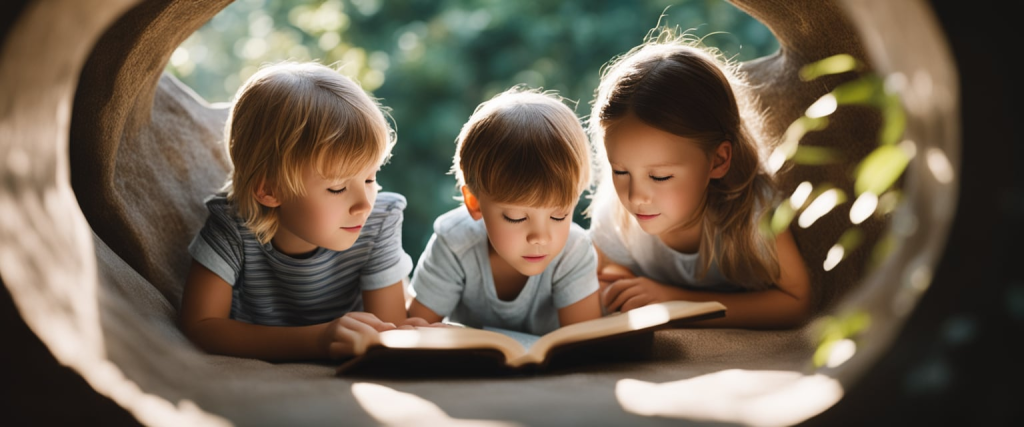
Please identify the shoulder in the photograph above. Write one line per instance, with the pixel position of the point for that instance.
(458, 230)
(388, 203)
(578, 235)
(221, 209)
(578, 245)
(385, 217)
(387, 209)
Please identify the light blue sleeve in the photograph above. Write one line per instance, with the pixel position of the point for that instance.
(218, 244)
(575, 276)
(439, 278)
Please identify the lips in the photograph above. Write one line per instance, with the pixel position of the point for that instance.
(643, 217)
(535, 258)
(353, 228)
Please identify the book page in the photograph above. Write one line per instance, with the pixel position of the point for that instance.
(527, 340)
(649, 316)
(451, 338)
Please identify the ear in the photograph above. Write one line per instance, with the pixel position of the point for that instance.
(721, 159)
(266, 197)
(472, 203)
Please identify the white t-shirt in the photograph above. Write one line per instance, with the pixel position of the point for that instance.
(646, 255)
(453, 278)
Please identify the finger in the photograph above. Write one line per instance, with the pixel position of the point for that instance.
(415, 321)
(636, 302)
(367, 318)
(339, 349)
(612, 292)
(360, 334)
(622, 297)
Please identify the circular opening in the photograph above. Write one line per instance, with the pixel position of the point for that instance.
(52, 275)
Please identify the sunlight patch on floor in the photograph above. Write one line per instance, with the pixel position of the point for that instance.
(756, 398)
(393, 407)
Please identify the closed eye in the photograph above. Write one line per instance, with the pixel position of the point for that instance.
(342, 190)
(660, 178)
(514, 221)
(560, 219)
(615, 172)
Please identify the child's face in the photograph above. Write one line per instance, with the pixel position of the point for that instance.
(527, 238)
(330, 214)
(660, 177)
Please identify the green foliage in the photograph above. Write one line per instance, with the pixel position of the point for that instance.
(876, 173)
(432, 62)
(880, 169)
(836, 329)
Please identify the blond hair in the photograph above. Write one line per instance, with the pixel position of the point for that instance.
(526, 147)
(291, 116)
(676, 85)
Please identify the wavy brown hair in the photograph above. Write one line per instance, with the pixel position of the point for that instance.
(674, 84)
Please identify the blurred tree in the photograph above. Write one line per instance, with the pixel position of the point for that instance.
(432, 62)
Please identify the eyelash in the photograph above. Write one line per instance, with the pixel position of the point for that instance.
(369, 181)
(656, 178)
(518, 220)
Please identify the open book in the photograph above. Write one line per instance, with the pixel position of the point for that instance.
(471, 350)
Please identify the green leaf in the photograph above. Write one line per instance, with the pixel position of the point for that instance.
(865, 90)
(836, 329)
(895, 120)
(851, 239)
(782, 217)
(796, 131)
(835, 64)
(807, 155)
(880, 169)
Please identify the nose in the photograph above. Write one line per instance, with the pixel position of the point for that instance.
(638, 195)
(539, 235)
(361, 203)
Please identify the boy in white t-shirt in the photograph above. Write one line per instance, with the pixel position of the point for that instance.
(512, 257)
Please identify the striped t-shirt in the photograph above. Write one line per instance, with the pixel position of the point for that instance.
(271, 288)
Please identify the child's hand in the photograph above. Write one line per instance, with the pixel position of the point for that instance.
(352, 333)
(625, 294)
(611, 273)
(415, 322)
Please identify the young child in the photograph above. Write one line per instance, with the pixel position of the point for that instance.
(675, 215)
(512, 257)
(300, 241)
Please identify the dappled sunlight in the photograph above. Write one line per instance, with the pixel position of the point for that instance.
(863, 207)
(835, 254)
(822, 205)
(939, 165)
(838, 338)
(842, 351)
(757, 398)
(799, 197)
(392, 407)
(824, 106)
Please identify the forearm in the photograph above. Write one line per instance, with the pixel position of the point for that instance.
(388, 304)
(417, 309)
(271, 343)
(769, 309)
